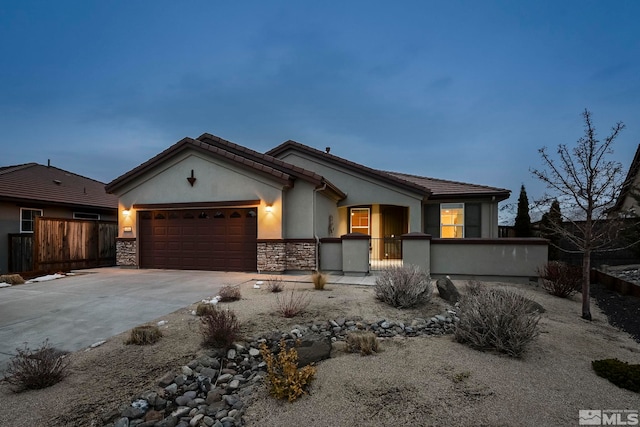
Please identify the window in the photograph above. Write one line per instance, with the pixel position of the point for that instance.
(28, 219)
(84, 215)
(360, 220)
(452, 220)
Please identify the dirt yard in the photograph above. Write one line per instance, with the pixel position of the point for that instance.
(412, 381)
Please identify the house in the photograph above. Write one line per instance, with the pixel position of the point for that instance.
(210, 204)
(32, 190)
(626, 201)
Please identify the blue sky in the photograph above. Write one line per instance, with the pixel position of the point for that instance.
(459, 90)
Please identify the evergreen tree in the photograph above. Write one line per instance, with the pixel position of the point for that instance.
(549, 226)
(523, 220)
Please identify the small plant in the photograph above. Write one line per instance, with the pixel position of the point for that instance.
(319, 280)
(284, 379)
(560, 279)
(362, 342)
(496, 319)
(622, 374)
(220, 328)
(403, 287)
(229, 293)
(12, 279)
(143, 335)
(204, 308)
(274, 284)
(36, 369)
(292, 304)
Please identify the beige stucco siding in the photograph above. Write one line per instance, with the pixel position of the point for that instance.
(216, 181)
(362, 190)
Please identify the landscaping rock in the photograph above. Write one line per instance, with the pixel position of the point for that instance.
(313, 348)
(448, 290)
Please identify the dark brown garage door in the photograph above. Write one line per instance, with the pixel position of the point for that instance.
(213, 239)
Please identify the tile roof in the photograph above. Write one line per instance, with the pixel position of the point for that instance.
(441, 188)
(433, 188)
(381, 175)
(35, 182)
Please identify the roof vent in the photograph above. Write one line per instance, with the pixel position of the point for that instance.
(57, 181)
(327, 149)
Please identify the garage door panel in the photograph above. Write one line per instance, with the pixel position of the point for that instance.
(220, 239)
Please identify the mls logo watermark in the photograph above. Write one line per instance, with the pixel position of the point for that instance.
(613, 417)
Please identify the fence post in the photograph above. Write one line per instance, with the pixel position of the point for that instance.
(416, 250)
(355, 254)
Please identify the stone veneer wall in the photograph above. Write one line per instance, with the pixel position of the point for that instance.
(126, 249)
(301, 255)
(282, 255)
(272, 256)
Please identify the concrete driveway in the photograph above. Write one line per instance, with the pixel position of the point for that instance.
(76, 311)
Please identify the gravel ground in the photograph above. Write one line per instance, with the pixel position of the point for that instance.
(623, 312)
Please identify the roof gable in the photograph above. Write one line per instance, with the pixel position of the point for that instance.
(627, 186)
(35, 182)
(431, 187)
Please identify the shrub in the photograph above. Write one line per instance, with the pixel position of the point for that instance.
(496, 319)
(319, 280)
(143, 335)
(362, 342)
(284, 379)
(292, 304)
(560, 279)
(229, 293)
(36, 369)
(622, 374)
(204, 308)
(403, 287)
(220, 328)
(12, 279)
(274, 284)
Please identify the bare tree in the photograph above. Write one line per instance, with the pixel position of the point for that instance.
(586, 183)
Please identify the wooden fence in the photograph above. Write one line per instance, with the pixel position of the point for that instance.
(64, 244)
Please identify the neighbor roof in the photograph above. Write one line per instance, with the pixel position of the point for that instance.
(628, 182)
(431, 187)
(35, 182)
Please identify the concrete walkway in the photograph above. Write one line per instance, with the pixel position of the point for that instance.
(76, 311)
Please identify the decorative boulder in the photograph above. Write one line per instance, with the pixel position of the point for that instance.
(313, 348)
(448, 290)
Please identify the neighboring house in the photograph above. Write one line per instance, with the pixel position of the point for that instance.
(31, 190)
(210, 204)
(626, 202)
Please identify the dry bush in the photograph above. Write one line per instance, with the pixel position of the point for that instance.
(274, 284)
(292, 304)
(12, 279)
(203, 309)
(229, 293)
(143, 335)
(496, 319)
(36, 369)
(362, 342)
(220, 328)
(319, 280)
(403, 287)
(284, 379)
(560, 279)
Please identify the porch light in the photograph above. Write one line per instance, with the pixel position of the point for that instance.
(126, 212)
(268, 209)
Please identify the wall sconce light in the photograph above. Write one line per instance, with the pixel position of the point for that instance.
(268, 209)
(126, 212)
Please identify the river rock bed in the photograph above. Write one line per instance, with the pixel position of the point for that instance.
(215, 389)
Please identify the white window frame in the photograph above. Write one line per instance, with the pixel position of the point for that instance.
(33, 219)
(358, 228)
(443, 207)
(86, 215)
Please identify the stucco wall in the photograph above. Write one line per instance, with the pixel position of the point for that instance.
(298, 211)
(216, 181)
(488, 257)
(362, 190)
